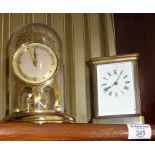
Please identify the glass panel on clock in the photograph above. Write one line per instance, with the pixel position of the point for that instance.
(116, 92)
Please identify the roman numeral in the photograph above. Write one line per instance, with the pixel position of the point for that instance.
(126, 88)
(125, 76)
(115, 72)
(127, 82)
(105, 78)
(110, 93)
(104, 84)
(109, 73)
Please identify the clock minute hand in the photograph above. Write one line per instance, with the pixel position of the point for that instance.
(35, 58)
(32, 57)
(119, 76)
(35, 55)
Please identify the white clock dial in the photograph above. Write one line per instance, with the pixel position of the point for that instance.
(35, 63)
(116, 92)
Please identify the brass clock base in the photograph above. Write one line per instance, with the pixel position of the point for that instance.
(40, 117)
(119, 120)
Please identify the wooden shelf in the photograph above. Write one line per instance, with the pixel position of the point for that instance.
(32, 131)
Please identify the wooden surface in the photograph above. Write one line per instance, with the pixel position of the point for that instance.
(32, 131)
(136, 33)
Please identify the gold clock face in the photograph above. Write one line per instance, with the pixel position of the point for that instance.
(34, 63)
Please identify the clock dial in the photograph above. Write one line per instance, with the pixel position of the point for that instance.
(114, 79)
(116, 92)
(35, 63)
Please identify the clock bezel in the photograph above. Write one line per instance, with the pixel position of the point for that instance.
(14, 65)
(133, 58)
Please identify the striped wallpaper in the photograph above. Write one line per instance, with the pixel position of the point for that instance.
(84, 36)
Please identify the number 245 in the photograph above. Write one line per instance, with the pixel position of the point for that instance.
(140, 133)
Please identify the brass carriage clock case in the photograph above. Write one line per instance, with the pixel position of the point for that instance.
(36, 75)
(116, 90)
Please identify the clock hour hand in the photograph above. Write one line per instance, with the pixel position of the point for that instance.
(107, 88)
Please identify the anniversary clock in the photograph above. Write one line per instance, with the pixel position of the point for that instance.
(36, 80)
(116, 90)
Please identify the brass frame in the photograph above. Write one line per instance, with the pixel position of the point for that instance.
(50, 116)
(94, 62)
(51, 83)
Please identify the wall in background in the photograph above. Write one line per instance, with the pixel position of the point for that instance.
(136, 33)
(84, 36)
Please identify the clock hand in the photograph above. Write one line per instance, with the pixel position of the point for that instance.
(35, 58)
(118, 78)
(115, 83)
(35, 54)
(32, 57)
(107, 88)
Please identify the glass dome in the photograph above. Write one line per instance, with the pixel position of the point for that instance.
(29, 102)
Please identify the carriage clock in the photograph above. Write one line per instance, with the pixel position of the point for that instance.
(116, 90)
(36, 81)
